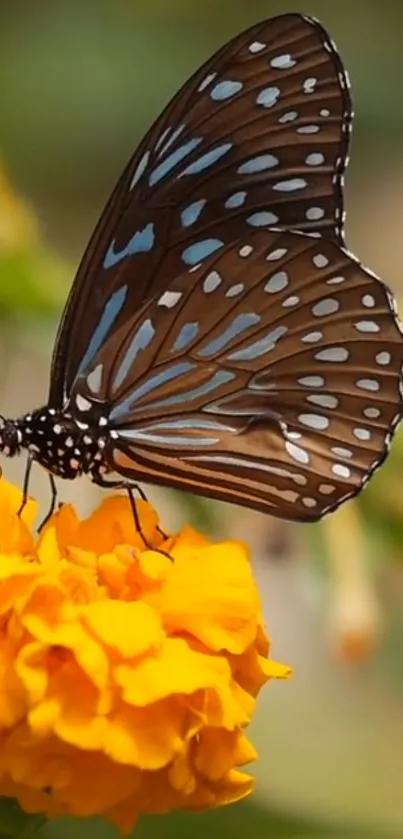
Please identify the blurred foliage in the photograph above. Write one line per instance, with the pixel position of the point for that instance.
(31, 278)
(242, 821)
(382, 504)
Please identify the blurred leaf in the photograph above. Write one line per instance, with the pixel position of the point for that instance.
(32, 280)
(32, 284)
(243, 821)
(15, 824)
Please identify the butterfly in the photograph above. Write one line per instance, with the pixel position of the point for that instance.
(218, 336)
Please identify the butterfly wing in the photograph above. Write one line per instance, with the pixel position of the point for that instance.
(257, 137)
(270, 376)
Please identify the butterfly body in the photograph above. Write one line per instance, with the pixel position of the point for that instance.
(62, 444)
(219, 337)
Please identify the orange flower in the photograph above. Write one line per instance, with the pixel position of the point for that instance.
(128, 675)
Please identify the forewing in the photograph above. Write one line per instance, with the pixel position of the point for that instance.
(270, 376)
(257, 137)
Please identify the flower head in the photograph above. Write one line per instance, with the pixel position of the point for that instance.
(128, 675)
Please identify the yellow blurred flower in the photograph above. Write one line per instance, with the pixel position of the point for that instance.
(128, 675)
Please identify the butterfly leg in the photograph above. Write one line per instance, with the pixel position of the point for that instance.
(25, 492)
(25, 488)
(53, 500)
(126, 485)
(137, 487)
(129, 489)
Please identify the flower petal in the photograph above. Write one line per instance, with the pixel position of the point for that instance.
(130, 629)
(173, 669)
(128, 675)
(211, 594)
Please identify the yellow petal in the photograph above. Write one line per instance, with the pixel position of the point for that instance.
(218, 751)
(13, 704)
(48, 551)
(65, 524)
(113, 524)
(274, 670)
(173, 669)
(148, 738)
(130, 629)
(211, 595)
(128, 677)
(17, 579)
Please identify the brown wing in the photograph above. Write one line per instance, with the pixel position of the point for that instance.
(270, 376)
(257, 137)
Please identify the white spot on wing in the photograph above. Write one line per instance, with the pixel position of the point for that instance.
(320, 260)
(312, 381)
(169, 299)
(326, 307)
(383, 358)
(367, 326)
(338, 354)
(268, 97)
(211, 282)
(256, 46)
(94, 379)
(371, 413)
(234, 290)
(291, 301)
(315, 159)
(206, 81)
(283, 62)
(314, 421)
(335, 280)
(298, 454)
(314, 213)
(308, 129)
(312, 337)
(290, 185)
(289, 116)
(340, 451)
(309, 84)
(341, 471)
(368, 384)
(278, 282)
(82, 403)
(323, 400)
(326, 489)
(275, 255)
(140, 169)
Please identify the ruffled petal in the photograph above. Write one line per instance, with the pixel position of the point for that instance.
(128, 675)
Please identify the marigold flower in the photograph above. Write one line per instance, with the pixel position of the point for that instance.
(128, 675)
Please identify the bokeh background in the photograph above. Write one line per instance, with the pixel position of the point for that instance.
(80, 82)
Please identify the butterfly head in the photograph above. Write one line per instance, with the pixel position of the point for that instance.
(10, 437)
